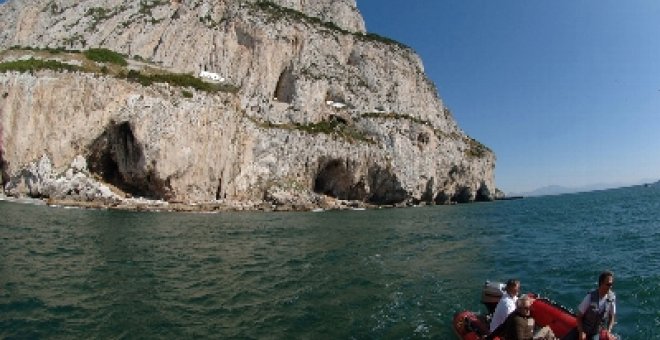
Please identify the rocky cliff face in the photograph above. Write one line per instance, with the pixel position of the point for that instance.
(319, 108)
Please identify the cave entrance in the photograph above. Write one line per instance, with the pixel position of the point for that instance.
(336, 180)
(285, 90)
(462, 195)
(117, 157)
(4, 176)
(427, 196)
(483, 194)
(385, 187)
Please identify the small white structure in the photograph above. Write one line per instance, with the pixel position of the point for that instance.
(336, 105)
(211, 76)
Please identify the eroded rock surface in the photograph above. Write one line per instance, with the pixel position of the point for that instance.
(321, 110)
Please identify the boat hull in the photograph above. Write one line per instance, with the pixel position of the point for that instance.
(469, 325)
(547, 313)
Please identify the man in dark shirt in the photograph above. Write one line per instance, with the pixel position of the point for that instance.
(520, 325)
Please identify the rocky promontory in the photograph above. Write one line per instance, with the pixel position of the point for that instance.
(214, 105)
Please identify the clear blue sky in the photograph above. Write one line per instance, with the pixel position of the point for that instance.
(566, 92)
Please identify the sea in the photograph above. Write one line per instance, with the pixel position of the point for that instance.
(375, 274)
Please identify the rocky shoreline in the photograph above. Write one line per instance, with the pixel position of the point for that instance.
(144, 205)
(147, 205)
(77, 187)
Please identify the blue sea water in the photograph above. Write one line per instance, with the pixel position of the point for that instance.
(376, 274)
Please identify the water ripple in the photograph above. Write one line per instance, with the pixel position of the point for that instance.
(398, 273)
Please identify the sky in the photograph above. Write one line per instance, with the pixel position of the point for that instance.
(565, 92)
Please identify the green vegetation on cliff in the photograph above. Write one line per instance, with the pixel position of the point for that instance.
(392, 115)
(476, 149)
(179, 79)
(112, 64)
(39, 49)
(334, 127)
(32, 65)
(104, 55)
(277, 12)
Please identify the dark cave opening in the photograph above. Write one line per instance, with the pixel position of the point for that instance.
(442, 198)
(117, 157)
(336, 180)
(483, 194)
(4, 176)
(218, 192)
(385, 187)
(427, 196)
(462, 195)
(285, 90)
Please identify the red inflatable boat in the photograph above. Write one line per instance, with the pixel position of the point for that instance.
(469, 325)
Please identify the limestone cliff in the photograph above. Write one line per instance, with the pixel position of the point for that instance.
(311, 106)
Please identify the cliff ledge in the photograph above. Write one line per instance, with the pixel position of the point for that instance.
(214, 105)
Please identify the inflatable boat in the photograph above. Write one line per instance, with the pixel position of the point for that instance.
(470, 325)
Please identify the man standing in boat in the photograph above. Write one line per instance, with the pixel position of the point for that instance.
(506, 305)
(596, 314)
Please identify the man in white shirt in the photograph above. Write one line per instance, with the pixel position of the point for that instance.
(506, 305)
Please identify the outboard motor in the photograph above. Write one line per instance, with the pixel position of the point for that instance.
(491, 295)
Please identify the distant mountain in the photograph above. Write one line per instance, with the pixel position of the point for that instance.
(560, 190)
(550, 190)
(652, 183)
